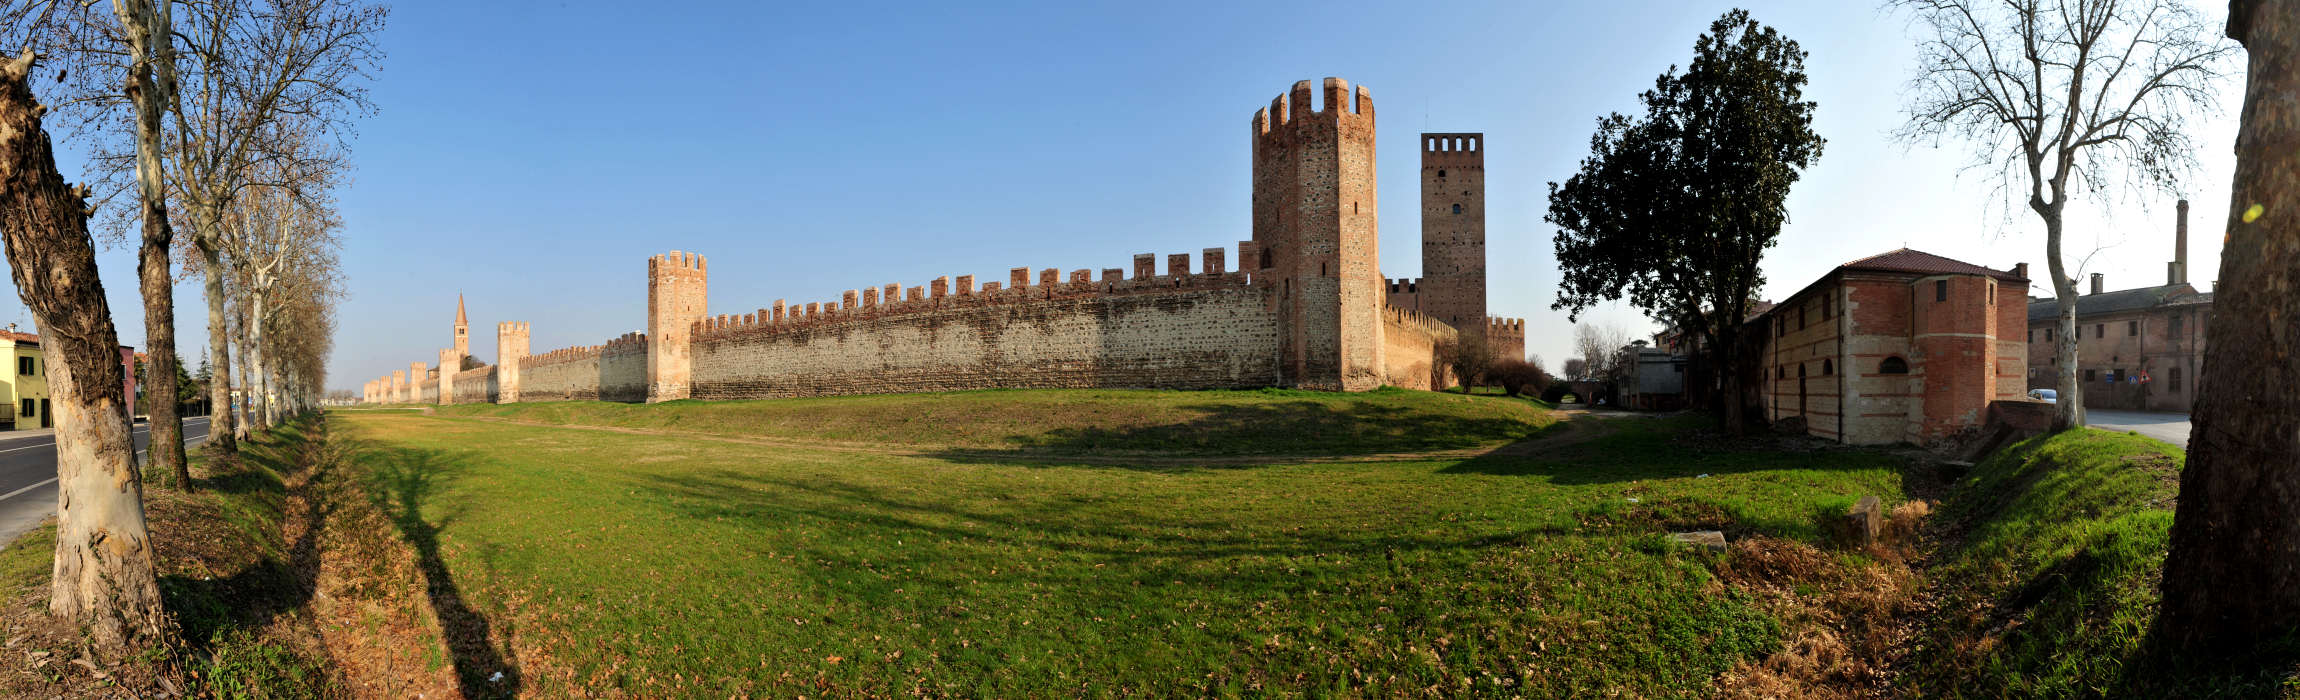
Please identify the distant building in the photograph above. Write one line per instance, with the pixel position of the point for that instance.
(2137, 349)
(1652, 379)
(25, 385)
(1906, 346)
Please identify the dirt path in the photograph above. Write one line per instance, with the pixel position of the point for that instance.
(1573, 427)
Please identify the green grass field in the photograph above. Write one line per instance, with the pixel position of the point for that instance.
(1529, 559)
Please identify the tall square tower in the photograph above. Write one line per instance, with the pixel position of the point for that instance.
(1453, 230)
(1316, 231)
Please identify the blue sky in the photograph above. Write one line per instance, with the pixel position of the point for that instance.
(532, 155)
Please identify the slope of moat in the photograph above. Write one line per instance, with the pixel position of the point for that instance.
(1060, 422)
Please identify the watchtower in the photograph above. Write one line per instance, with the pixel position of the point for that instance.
(1453, 230)
(510, 351)
(677, 292)
(1315, 225)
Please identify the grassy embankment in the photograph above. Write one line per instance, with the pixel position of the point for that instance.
(1003, 550)
(2047, 579)
(241, 571)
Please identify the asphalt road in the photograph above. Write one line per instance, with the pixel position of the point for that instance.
(2169, 427)
(28, 475)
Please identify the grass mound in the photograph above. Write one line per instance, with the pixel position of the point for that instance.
(1055, 421)
(2048, 580)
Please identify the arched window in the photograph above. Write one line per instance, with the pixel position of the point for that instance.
(1828, 368)
(1441, 172)
(1457, 208)
(1893, 365)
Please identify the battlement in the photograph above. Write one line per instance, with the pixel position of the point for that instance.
(1466, 142)
(676, 261)
(1496, 325)
(1051, 284)
(562, 355)
(1416, 320)
(1405, 285)
(509, 327)
(628, 342)
(1294, 108)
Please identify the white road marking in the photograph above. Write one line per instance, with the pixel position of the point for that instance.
(51, 480)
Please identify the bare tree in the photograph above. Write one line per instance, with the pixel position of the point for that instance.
(2065, 95)
(282, 243)
(2232, 579)
(1600, 347)
(249, 65)
(103, 564)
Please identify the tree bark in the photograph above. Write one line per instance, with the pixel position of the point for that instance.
(103, 566)
(155, 275)
(2232, 579)
(2068, 407)
(220, 408)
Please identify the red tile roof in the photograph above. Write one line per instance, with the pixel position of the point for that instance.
(20, 337)
(1920, 262)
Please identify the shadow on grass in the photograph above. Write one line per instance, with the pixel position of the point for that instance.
(1167, 549)
(407, 477)
(1626, 449)
(1274, 428)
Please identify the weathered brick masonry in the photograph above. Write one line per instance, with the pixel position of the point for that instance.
(1306, 306)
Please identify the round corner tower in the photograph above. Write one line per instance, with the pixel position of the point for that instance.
(1315, 229)
(677, 289)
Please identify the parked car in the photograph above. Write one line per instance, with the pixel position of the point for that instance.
(2045, 395)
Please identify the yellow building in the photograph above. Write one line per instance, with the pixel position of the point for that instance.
(24, 384)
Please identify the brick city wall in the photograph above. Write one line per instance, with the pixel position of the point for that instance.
(475, 385)
(1183, 331)
(570, 374)
(428, 391)
(623, 369)
(1409, 350)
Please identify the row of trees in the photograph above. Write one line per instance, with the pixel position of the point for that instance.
(1674, 210)
(224, 120)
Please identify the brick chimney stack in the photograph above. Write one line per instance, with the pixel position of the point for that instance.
(2020, 270)
(2098, 280)
(2177, 272)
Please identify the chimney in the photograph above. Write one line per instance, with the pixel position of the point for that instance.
(2020, 270)
(2178, 272)
(2098, 280)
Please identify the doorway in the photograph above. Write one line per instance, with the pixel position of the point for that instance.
(1800, 390)
(47, 418)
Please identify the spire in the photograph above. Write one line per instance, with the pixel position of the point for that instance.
(459, 319)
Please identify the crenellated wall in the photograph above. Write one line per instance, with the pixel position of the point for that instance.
(569, 374)
(1182, 330)
(623, 369)
(1410, 350)
(477, 385)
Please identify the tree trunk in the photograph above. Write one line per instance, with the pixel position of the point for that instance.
(103, 563)
(220, 409)
(152, 268)
(2232, 578)
(2068, 408)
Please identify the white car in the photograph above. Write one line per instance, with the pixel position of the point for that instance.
(2045, 395)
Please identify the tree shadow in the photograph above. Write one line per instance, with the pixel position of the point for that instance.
(267, 586)
(1255, 434)
(1620, 450)
(407, 478)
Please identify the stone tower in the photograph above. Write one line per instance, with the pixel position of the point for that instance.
(415, 374)
(510, 352)
(1315, 230)
(462, 336)
(398, 391)
(450, 362)
(1453, 230)
(678, 288)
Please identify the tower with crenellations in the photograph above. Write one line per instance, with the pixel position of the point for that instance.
(678, 287)
(1452, 286)
(1316, 231)
(510, 352)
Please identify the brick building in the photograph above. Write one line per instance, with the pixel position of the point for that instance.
(1905, 346)
(2137, 349)
(1306, 307)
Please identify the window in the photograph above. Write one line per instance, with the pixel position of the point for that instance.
(1893, 365)
(1828, 368)
(2047, 331)
(1441, 173)
(2099, 330)
(1800, 370)
(28, 406)
(2131, 328)
(1827, 307)
(2088, 375)
(2032, 335)
(24, 366)
(1457, 208)
(1780, 372)
(1940, 290)
(2172, 380)
(2172, 326)
(1992, 295)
